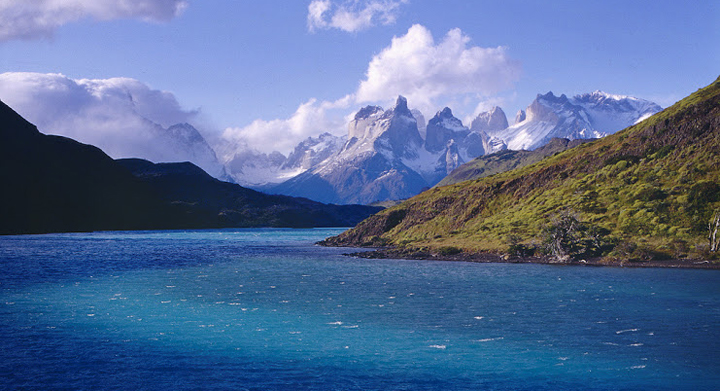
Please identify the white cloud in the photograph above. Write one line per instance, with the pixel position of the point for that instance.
(421, 70)
(30, 19)
(309, 120)
(352, 15)
(122, 116)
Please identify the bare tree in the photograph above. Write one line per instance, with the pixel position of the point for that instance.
(713, 226)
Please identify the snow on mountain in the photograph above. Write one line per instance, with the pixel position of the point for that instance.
(583, 116)
(370, 165)
(313, 151)
(610, 113)
(421, 123)
(186, 143)
(386, 156)
(251, 168)
(489, 121)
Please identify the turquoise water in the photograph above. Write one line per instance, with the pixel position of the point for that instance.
(267, 310)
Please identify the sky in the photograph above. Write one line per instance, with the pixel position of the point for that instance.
(267, 74)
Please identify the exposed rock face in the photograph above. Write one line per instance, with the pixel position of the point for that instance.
(443, 128)
(421, 122)
(364, 117)
(370, 166)
(490, 121)
(584, 116)
(383, 146)
(311, 152)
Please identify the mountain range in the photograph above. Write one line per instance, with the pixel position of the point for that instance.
(56, 184)
(644, 194)
(390, 154)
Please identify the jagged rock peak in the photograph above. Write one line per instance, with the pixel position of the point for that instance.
(401, 106)
(446, 112)
(491, 120)
(446, 119)
(552, 98)
(367, 112)
(520, 116)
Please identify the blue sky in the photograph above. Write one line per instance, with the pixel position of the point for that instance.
(247, 67)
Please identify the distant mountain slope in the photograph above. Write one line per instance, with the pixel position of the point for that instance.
(394, 154)
(55, 184)
(208, 202)
(583, 116)
(385, 157)
(507, 160)
(646, 192)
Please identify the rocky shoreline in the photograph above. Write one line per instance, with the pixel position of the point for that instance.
(394, 253)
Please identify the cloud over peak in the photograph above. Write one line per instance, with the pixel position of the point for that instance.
(122, 116)
(352, 16)
(310, 119)
(418, 68)
(40, 18)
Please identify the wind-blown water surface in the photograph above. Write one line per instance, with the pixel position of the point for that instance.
(265, 309)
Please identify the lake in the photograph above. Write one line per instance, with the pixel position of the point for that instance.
(265, 309)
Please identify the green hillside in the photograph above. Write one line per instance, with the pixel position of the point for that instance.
(506, 160)
(647, 192)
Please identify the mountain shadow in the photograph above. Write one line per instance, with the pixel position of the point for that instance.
(56, 184)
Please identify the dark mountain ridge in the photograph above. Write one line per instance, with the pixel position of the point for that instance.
(56, 184)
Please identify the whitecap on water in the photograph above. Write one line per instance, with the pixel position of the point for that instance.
(438, 346)
(489, 339)
(627, 331)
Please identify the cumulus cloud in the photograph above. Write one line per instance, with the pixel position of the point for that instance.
(23, 19)
(124, 117)
(422, 70)
(309, 120)
(352, 15)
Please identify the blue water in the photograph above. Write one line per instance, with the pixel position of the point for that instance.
(267, 310)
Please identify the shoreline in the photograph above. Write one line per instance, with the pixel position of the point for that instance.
(393, 253)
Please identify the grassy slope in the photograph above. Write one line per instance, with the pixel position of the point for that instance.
(505, 161)
(654, 184)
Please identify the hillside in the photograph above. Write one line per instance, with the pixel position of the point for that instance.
(647, 192)
(56, 184)
(207, 202)
(507, 160)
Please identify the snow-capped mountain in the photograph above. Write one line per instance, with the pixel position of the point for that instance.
(252, 168)
(184, 143)
(583, 116)
(385, 157)
(393, 154)
(313, 151)
(370, 166)
(487, 122)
